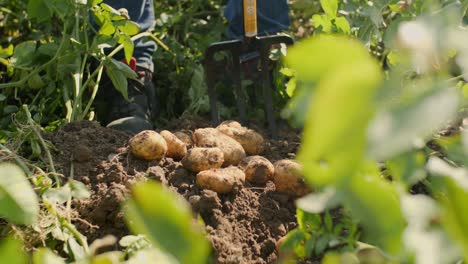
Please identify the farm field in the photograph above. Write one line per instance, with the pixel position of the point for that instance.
(367, 163)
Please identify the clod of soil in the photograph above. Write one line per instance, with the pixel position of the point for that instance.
(243, 226)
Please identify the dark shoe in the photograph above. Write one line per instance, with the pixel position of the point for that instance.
(130, 116)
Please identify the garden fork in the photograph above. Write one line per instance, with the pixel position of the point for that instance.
(251, 42)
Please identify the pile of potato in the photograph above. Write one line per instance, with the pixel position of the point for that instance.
(223, 158)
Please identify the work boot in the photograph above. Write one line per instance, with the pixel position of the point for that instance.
(130, 116)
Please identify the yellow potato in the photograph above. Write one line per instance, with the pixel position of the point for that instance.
(288, 178)
(251, 141)
(175, 147)
(199, 159)
(257, 169)
(148, 145)
(186, 137)
(211, 137)
(221, 180)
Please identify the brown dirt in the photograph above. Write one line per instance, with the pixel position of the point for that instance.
(243, 226)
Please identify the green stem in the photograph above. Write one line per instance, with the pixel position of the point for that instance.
(138, 36)
(95, 89)
(43, 144)
(67, 225)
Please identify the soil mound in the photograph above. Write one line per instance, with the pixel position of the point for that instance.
(243, 226)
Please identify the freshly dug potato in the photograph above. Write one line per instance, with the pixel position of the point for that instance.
(185, 137)
(257, 169)
(288, 178)
(221, 180)
(199, 159)
(211, 137)
(175, 147)
(251, 141)
(148, 145)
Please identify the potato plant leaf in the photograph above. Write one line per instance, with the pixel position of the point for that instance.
(18, 201)
(334, 134)
(394, 131)
(11, 252)
(23, 53)
(325, 53)
(454, 216)
(166, 220)
(46, 256)
(375, 203)
(330, 7)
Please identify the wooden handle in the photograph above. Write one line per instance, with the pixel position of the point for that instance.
(250, 18)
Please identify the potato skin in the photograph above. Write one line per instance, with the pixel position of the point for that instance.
(148, 145)
(175, 147)
(211, 137)
(221, 180)
(288, 178)
(199, 159)
(257, 169)
(185, 137)
(251, 141)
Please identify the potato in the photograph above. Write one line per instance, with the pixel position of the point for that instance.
(186, 137)
(251, 141)
(211, 137)
(288, 178)
(148, 145)
(221, 180)
(175, 147)
(199, 159)
(257, 169)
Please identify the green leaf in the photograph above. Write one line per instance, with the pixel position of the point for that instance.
(118, 72)
(375, 203)
(18, 201)
(397, 130)
(58, 195)
(46, 256)
(128, 47)
(107, 28)
(294, 243)
(327, 51)
(318, 202)
(6, 52)
(24, 53)
(152, 255)
(334, 134)
(96, 2)
(454, 216)
(79, 190)
(112, 257)
(9, 109)
(11, 251)
(167, 221)
(330, 7)
(322, 23)
(38, 9)
(342, 25)
(128, 27)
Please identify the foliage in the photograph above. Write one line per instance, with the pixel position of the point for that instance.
(365, 132)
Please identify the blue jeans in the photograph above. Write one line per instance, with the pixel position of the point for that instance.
(272, 17)
(141, 12)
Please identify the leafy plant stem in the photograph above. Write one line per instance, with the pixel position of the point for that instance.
(95, 89)
(43, 144)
